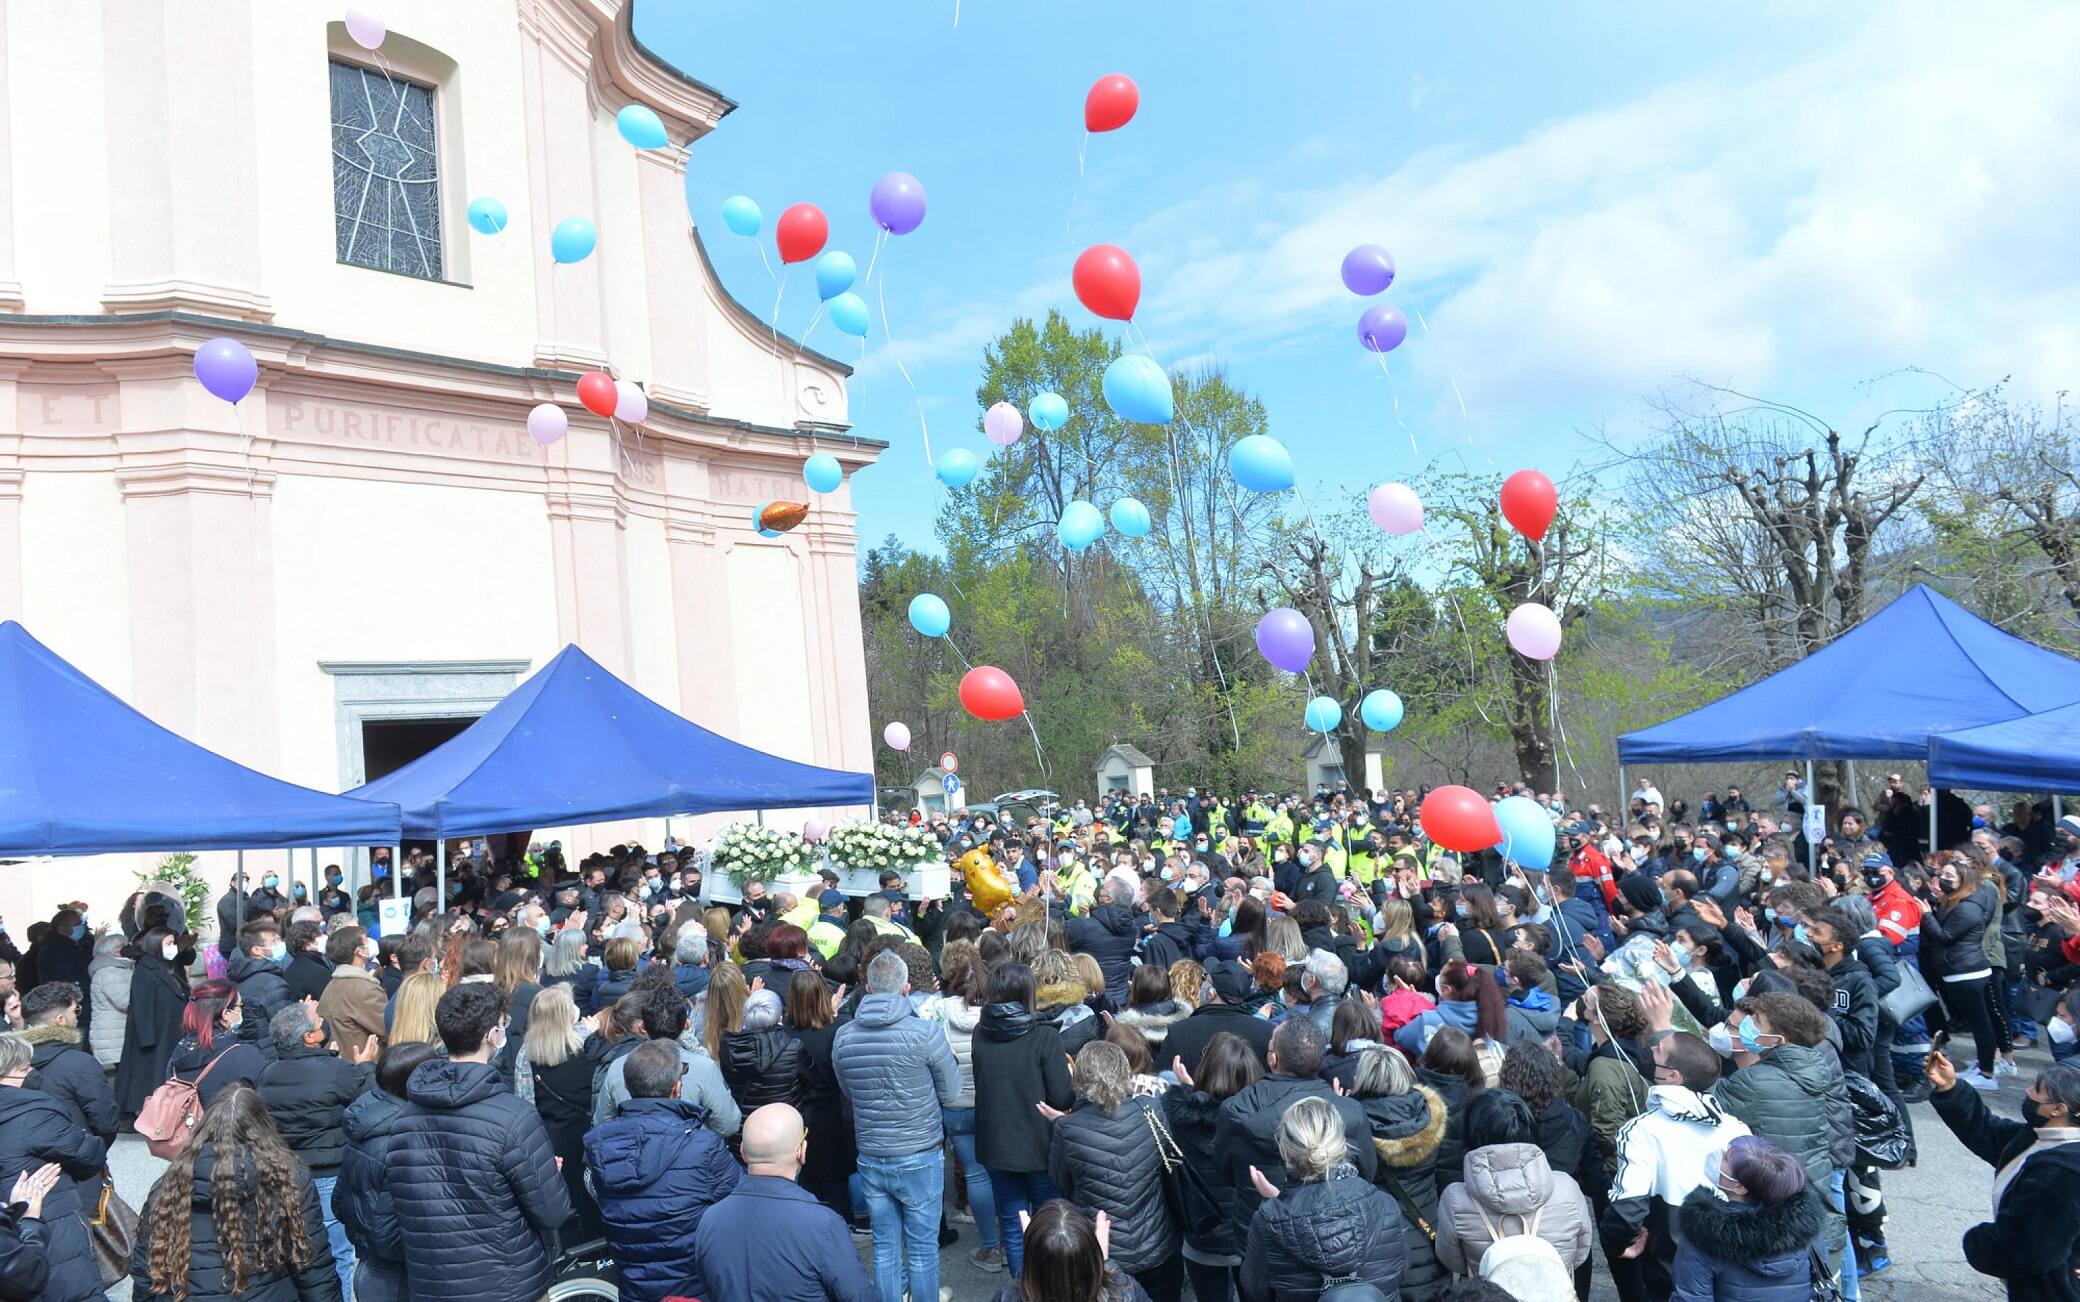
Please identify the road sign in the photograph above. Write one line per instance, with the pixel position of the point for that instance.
(950, 762)
(952, 783)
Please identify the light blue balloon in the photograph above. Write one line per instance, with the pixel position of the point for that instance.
(1527, 832)
(741, 215)
(758, 512)
(1381, 711)
(1080, 526)
(1048, 411)
(573, 240)
(1261, 464)
(957, 468)
(1137, 389)
(487, 216)
(1323, 714)
(1130, 518)
(849, 313)
(835, 272)
(641, 127)
(822, 473)
(929, 616)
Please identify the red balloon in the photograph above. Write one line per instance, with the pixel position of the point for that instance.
(988, 693)
(596, 390)
(1111, 103)
(1529, 503)
(1458, 819)
(800, 232)
(1107, 281)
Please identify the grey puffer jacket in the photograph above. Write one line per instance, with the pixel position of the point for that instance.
(1510, 1189)
(109, 975)
(1793, 1097)
(957, 1017)
(1333, 1228)
(897, 1070)
(1107, 1162)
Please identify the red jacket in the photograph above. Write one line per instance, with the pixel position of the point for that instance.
(1400, 1008)
(1899, 914)
(1590, 864)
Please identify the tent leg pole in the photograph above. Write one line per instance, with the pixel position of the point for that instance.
(1932, 846)
(440, 874)
(397, 871)
(1812, 846)
(2058, 809)
(238, 888)
(1624, 796)
(1850, 797)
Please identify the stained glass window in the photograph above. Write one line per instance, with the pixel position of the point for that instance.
(385, 173)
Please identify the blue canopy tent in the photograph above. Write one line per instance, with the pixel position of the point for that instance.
(1922, 665)
(83, 773)
(574, 744)
(2036, 752)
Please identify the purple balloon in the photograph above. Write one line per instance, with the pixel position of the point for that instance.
(226, 368)
(1367, 269)
(1286, 639)
(897, 203)
(1382, 328)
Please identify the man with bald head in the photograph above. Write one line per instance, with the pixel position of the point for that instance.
(771, 1240)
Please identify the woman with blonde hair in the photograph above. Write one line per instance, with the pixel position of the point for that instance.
(1187, 977)
(1103, 1157)
(722, 1008)
(566, 965)
(1327, 1223)
(1397, 935)
(558, 1059)
(411, 1013)
(619, 974)
(1282, 936)
(518, 977)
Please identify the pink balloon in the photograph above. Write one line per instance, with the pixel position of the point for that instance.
(547, 423)
(897, 735)
(814, 830)
(631, 404)
(1534, 631)
(1002, 424)
(366, 27)
(1395, 508)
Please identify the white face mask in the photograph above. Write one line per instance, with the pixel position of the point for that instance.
(1721, 1041)
(168, 950)
(2060, 1030)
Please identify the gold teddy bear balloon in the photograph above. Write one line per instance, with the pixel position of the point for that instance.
(987, 887)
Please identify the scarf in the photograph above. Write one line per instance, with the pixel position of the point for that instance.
(2047, 1138)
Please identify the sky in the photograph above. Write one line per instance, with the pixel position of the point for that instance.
(1591, 206)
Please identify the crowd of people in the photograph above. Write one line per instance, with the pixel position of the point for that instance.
(1267, 1048)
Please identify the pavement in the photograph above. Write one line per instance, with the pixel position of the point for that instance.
(1928, 1209)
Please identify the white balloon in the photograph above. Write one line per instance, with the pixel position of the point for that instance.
(897, 735)
(366, 27)
(1534, 631)
(631, 404)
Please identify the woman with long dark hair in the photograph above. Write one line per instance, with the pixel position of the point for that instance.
(1192, 1111)
(235, 1216)
(1468, 1000)
(1953, 957)
(158, 995)
(833, 1157)
(1069, 1260)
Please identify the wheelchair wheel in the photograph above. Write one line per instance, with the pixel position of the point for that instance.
(584, 1286)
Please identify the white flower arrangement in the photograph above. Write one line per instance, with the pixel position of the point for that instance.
(875, 846)
(749, 852)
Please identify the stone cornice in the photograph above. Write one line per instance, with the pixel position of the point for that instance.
(597, 39)
(180, 477)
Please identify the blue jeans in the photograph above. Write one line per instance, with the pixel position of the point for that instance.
(1018, 1191)
(342, 1246)
(903, 1198)
(1846, 1263)
(960, 1128)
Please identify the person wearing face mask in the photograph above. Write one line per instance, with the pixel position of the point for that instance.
(353, 1001)
(269, 897)
(158, 998)
(1747, 1237)
(1316, 878)
(2032, 1241)
(1953, 956)
(212, 1054)
(256, 968)
(333, 898)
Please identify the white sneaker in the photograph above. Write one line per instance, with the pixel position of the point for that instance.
(1978, 1080)
(2004, 1066)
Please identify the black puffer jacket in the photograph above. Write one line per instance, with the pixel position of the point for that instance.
(610, 987)
(1108, 935)
(1193, 1116)
(1107, 1162)
(475, 1186)
(761, 1063)
(307, 1092)
(61, 1067)
(1736, 1252)
(34, 1130)
(1248, 1136)
(1451, 1151)
(361, 1200)
(1953, 940)
(317, 1280)
(1407, 1133)
(263, 991)
(308, 974)
(1335, 1227)
(1018, 1062)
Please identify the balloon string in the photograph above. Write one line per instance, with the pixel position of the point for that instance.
(780, 359)
(881, 296)
(956, 14)
(1395, 390)
(763, 258)
(879, 238)
(1454, 382)
(813, 319)
(1046, 772)
(1069, 216)
(948, 639)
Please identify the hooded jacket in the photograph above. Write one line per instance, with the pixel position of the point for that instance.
(1154, 1022)
(475, 1187)
(307, 1092)
(1407, 1132)
(1168, 943)
(61, 1068)
(1248, 1136)
(1336, 1228)
(361, 1200)
(1018, 1061)
(109, 978)
(263, 990)
(1855, 1012)
(1510, 1189)
(761, 1063)
(1414, 1036)
(1661, 1157)
(1109, 935)
(317, 1280)
(34, 1130)
(1738, 1252)
(1107, 1162)
(656, 1169)
(1061, 1005)
(1611, 1090)
(700, 1081)
(898, 1071)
